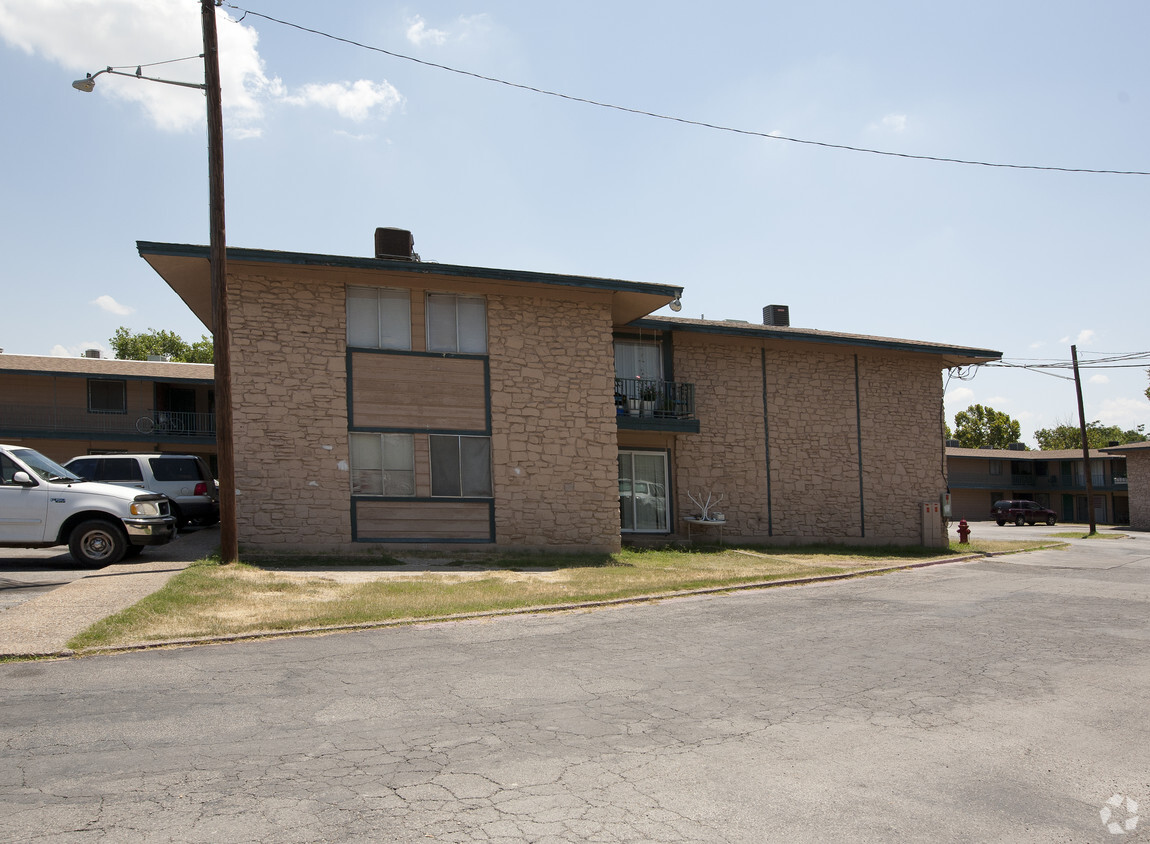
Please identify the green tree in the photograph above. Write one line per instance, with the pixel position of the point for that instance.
(1067, 435)
(978, 426)
(129, 346)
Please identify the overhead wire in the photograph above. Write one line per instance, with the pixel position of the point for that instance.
(671, 118)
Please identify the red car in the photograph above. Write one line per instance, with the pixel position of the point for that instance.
(1021, 512)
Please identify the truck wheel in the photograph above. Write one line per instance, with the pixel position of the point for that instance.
(1020, 521)
(1001, 522)
(97, 543)
(1050, 520)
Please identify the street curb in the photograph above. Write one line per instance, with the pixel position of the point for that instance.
(108, 650)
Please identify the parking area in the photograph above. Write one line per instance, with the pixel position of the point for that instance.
(26, 573)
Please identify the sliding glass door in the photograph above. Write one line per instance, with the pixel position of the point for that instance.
(643, 503)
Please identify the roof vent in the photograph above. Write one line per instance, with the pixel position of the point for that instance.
(395, 244)
(778, 315)
(91, 353)
(986, 447)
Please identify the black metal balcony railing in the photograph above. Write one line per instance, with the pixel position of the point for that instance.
(984, 480)
(647, 397)
(153, 424)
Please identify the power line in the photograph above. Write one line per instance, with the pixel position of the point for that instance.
(672, 118)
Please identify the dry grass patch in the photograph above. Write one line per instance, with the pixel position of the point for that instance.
(209, 599)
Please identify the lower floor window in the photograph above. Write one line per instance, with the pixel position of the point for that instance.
(643, 502)
(460, 466)
(382, 464)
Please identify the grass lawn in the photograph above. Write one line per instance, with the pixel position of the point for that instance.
(290, 593)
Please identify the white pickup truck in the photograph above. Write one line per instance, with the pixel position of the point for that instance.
(43, 504)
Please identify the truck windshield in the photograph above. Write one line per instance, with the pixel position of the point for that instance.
(43, 467)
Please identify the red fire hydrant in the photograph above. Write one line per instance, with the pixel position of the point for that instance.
(963, 531)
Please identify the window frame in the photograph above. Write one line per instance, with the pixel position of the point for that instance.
(379, 300)
(382, 469)
(123, 394)
(431, 297)
(465, 488)
(668, 514)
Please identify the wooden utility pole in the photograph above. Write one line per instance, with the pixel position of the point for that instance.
(217, 256)
(1085, 443)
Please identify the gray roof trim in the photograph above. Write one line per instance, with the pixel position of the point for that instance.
(1128, 447)
(306, 259)
(810, 335)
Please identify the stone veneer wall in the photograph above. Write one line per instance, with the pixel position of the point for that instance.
(728, 456)
(554, 448)
(289, 391)
(1138, 484)
(813, 426)
(903, 462)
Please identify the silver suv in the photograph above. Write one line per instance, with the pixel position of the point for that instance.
(185, 479)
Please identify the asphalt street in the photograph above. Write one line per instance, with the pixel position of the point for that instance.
(998, 700)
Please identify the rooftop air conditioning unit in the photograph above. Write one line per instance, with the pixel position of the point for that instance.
(91, 353)
(778, 315)
(395, 243)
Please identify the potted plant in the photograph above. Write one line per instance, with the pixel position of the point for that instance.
(648, 393)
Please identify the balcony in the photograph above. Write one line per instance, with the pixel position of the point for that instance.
(66, 423)
(1040, 483)
(645, 404)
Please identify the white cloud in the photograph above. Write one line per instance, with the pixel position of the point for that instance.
(960, 394)
(110, 305)
(84, 36)
(1037, 344)
(418, 33)
(1086, 335)
(355, 100)
(465, 28)
(77, 350)
(1099, 379)
(891, 123)
(1126, 412)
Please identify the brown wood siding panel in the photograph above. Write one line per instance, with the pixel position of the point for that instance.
(418, 329)
(423, 520)
(404, 391)
(422, 466)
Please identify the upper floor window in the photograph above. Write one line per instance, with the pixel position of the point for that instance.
(643, 360)
(456, 323)
(378, 318)
(106, 396)
(996, 467)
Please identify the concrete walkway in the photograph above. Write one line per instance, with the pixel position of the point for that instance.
(43, 625)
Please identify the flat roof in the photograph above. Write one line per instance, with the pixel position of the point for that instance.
(186, 269)
(953, 355)
(109, 367)
(1142, 446)
(1032, 454)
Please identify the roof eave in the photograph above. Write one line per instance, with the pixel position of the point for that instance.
(186, 269)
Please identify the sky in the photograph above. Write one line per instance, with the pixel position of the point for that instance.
(325, 141)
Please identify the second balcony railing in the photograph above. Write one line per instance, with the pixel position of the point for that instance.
(654, 399)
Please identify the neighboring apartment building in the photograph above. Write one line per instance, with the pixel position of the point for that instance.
(1138, 478)
(389, 400)
(66, 407)
(1054, 479)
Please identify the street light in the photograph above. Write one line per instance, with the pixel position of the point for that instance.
(88, 83)
(217, 259)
